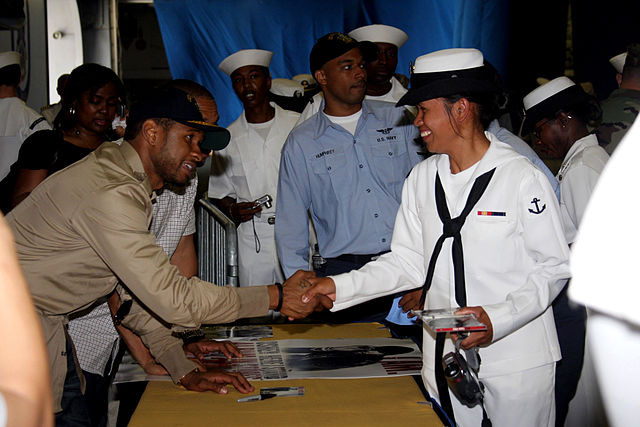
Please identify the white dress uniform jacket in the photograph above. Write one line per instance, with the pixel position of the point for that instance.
(397, 91)
(246, 170)
(17, 122)
(578, 176)
(515, 259)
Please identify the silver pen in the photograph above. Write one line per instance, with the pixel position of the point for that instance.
(257, 397)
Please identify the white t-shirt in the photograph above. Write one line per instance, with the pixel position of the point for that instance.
(263, 129)
(453, 185)
(348, 122)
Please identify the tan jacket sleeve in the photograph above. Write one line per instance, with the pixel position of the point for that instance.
(165, 348)
(115, 224)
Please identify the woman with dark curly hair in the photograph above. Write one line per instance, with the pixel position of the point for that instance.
(90, 101)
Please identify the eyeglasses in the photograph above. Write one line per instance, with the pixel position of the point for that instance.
(536, 131)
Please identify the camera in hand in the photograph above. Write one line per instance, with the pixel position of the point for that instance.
(462, 380)
(265, 201)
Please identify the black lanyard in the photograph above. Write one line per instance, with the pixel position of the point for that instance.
(451, 228)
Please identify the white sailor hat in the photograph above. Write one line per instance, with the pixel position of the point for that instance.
(245, 57)
(9, 58)
(547, 99)
(304, 79)
(378, 33)
(618, 61)
(286, 87)
(448, 72)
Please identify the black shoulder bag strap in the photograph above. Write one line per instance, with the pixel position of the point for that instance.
(451, 228)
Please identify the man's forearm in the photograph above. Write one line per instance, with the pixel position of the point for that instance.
(185, 257)
(136, 347)
(138, 350)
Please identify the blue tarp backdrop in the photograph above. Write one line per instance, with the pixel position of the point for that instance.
(199, 34)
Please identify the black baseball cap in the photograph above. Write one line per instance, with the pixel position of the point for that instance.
(175, 104)
(333, 45)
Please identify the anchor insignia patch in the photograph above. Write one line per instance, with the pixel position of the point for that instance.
(538, 209)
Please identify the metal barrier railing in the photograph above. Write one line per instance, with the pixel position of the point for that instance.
(217, 245)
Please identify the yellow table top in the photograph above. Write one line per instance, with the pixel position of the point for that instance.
(353, 402)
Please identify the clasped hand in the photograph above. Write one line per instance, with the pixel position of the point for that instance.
(294, 306)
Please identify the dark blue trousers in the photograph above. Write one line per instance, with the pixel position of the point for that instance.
(75, 412)
(570, 321)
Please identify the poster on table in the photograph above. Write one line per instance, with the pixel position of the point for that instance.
(237, 333)
(322, 358)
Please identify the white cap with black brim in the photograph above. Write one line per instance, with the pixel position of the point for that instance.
(550, 98)
(448, 72)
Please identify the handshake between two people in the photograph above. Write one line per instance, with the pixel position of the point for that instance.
(304, 293)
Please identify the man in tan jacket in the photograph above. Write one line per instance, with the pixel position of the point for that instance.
(86, 227)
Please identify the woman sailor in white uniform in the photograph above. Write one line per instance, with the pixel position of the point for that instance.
(515, 257)
(559, 113)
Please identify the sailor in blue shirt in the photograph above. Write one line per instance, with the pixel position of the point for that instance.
(346, 166)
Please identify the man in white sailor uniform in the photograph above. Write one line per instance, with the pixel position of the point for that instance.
(382, 83)
(248, 168)
(17, 120)
(382, 80)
